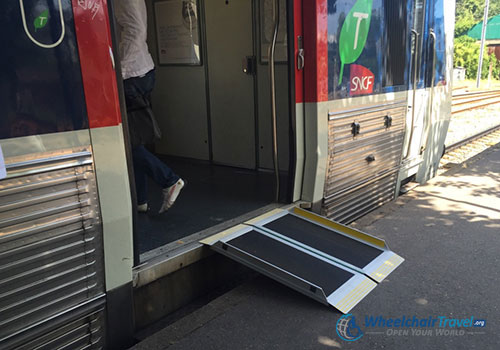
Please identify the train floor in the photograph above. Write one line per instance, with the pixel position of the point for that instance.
(449, 233)
(213, 194)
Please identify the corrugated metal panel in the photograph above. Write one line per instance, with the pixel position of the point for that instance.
(86, 332)
(362, 167)
(356, 202)
(51, 252)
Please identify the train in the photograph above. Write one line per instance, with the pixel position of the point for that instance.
(328, 106)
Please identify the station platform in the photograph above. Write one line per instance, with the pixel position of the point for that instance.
(448, 232)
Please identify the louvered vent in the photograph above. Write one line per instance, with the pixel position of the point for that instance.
(364, 153)
(51, 251)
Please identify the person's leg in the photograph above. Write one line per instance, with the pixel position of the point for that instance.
(141, 181)
(155, 168)
(163, 175)
(170, 182)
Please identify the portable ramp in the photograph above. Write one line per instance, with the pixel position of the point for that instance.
(327, 261)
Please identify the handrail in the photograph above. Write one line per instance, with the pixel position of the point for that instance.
(415, 76)
(272, 50)
(431, 98)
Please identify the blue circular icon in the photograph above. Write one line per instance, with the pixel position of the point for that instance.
(347, 329)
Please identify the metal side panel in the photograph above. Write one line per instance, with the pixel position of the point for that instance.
(353, 202)
(82, 327)
(327, 261)
(364, 154)
(51, 251)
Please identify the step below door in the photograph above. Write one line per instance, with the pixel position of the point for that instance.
(332, 263)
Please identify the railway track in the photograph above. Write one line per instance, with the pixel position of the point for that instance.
(459, 152)
(467, 147)
(462, 102)
(473, 138)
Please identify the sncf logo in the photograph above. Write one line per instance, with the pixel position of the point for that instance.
(361, 81)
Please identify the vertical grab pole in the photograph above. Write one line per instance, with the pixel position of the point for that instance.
(431, 97)
(483, 38)
(415, 86)
(272, 49)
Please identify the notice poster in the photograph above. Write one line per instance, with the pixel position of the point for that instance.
(177, 32)
(3, 171)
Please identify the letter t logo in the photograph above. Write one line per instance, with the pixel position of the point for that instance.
(360, 16)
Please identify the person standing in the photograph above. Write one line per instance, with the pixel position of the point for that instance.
(138, 72)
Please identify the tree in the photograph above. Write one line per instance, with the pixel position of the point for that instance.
(467, 55)
(470, 12)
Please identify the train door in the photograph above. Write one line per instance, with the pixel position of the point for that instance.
(428, 106)
(418, 96)
(231, 82)
(65, 246)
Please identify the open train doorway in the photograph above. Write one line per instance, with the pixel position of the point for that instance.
(212, 102)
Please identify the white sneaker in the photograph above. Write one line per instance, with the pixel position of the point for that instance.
(142, 208)
(170, 195)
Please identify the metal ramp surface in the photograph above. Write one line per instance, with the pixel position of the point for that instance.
(327, 261)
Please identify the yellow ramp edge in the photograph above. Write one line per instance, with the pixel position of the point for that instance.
(386, 268)
(257, 219)
(218, 236)
(339, 227)
(357, 294)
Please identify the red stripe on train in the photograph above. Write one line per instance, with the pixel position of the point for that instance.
(94, 46)
(298, 31)
(315, 21)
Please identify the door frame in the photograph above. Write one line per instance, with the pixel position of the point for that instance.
(417, 85)
(295, 91)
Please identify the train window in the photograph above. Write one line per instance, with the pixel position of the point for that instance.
(418, 26)
(368, 50)
(40, 88)
(396, 38)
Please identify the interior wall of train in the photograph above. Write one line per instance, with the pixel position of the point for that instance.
(217, 106)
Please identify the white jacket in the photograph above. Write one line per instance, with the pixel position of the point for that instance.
(131, 17)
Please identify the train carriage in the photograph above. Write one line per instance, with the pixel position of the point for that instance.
(323, 105)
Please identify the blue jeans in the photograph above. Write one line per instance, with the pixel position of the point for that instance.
(147, 164)
(138, 95)
(139, 86)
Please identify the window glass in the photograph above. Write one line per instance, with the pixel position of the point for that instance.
(41, 88)
(368, 49)
(396, 37)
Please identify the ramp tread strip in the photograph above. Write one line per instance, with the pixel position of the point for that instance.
(369, 239)
(328, 276)
(329, 242)
(388, 265)
(357, 294)
(309, 249)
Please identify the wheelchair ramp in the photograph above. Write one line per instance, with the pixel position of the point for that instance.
(327, 261)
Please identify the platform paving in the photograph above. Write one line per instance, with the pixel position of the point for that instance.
(449, 233)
